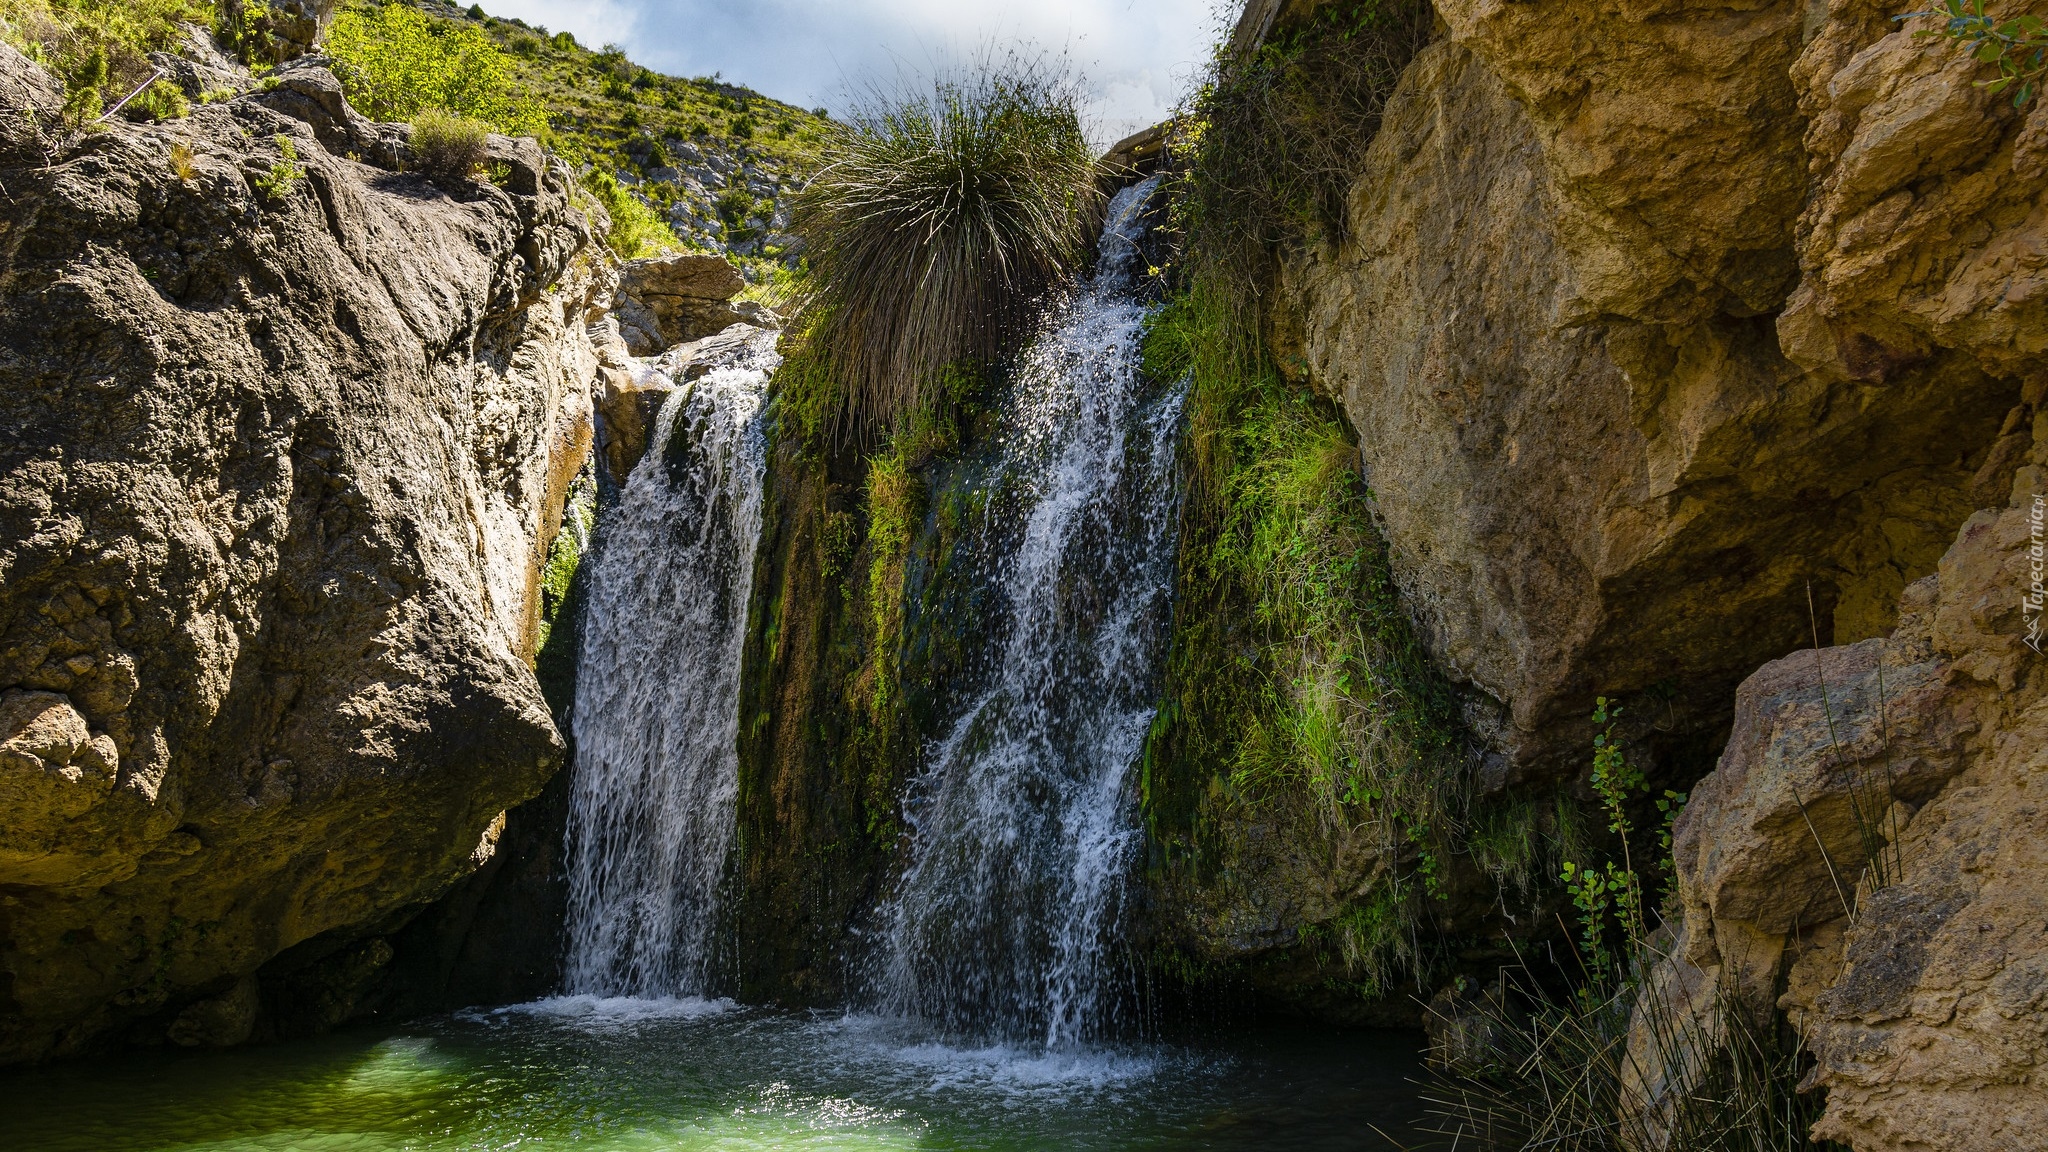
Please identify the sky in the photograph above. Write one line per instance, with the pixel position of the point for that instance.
(1138, 57)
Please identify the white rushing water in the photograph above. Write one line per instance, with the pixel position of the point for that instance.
(1022, 824)
(656, 717)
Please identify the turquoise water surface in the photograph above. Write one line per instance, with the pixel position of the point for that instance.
(579, 1072)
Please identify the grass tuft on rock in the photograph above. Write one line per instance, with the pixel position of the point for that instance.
(448, 148)
(937, 222)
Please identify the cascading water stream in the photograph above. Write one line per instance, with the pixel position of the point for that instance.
(1022, 829)
(656, 715)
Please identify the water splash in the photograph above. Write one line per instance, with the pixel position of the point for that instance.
(1021, 828)
(656, 716)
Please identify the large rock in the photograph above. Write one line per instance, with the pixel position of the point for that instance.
(1870, 855)
(668, 300)
(277, 471)
(1573, 323)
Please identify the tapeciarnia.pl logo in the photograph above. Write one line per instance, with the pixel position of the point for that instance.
(2037, 562)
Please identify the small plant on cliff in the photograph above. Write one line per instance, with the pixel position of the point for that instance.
(183, 162)
(276, 183)
(395, 63)
(938, 220)
(2018, 45)
(1634, 1057)
(448, 148)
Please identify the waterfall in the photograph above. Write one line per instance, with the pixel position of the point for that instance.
(656, 715)
(1021, 825)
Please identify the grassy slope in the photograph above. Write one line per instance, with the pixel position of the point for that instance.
(716, 159)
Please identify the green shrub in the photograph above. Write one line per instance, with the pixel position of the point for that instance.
(938, 220)
(635, 230)
(98, 48)
(395, 63)
(447, 147)
(162, 101)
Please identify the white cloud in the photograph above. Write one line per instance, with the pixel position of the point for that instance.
(1138, 55)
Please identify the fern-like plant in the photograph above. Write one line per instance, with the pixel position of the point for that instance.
(939, 219)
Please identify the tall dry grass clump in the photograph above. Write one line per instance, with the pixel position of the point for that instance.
(938, 220)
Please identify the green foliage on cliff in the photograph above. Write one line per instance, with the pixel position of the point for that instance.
(2016, 45)
(935, 223)
(592, 102)
(98, 48)
(1294, 671)
(624, 127)
(395, 63)
(636, 230)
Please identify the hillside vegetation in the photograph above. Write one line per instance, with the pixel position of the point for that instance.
(677, 162)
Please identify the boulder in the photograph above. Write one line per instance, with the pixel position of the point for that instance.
(669, 300)
(280, 459)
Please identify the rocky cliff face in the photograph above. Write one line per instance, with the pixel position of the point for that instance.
(1868, 855)
(283, 438)
(1632, 363)
(1654, 320)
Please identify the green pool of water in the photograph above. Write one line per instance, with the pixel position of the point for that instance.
(685, 1075)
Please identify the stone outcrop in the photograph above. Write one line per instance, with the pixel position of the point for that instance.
(1679, 340)
(275, 31)
(1650, 321)
(1602, 449)
(1869, 854)
(669, 300)
(280, 455)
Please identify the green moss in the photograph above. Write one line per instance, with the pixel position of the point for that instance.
(1295, 684)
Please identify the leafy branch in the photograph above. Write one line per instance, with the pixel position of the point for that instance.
(2019, 46)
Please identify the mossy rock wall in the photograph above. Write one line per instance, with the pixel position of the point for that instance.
(855, 646)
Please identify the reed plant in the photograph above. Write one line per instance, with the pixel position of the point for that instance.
(938, 220)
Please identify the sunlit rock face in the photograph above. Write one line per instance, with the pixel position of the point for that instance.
(1655, 325)
(277, 469)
